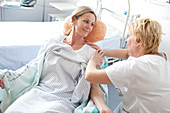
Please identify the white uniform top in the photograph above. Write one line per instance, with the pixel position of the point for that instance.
(143, 83)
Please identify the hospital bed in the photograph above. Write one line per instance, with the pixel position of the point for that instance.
(20, 43)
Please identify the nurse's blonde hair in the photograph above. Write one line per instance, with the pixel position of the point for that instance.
(79, 12)
(148, 33)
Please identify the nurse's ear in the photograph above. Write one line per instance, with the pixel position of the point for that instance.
(138, 41)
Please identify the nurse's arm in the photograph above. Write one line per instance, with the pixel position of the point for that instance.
(94, 75)
(117, 53)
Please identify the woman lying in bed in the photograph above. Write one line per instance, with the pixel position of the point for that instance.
(61, 86)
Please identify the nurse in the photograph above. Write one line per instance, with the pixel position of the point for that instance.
(143, 80)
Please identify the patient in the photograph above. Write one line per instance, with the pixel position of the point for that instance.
(62, 85)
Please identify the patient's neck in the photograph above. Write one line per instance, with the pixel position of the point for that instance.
(75, 42)
(75, 39)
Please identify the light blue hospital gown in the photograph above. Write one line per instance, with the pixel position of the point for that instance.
(57, 91)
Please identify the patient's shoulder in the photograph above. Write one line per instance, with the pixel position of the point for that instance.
(91, 50)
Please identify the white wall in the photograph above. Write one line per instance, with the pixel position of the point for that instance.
(165, 44)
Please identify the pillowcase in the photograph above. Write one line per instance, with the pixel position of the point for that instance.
(97, 34)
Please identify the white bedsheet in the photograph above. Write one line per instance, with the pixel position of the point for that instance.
(28, 33)
(59, 87)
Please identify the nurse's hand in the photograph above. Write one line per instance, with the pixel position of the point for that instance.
(93, 45)
(1, 84)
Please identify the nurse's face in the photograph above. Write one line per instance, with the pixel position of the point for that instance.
(84, 24)
(131, 45)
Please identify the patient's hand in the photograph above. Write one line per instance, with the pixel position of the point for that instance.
(96, 59)
(106, 110)
(1, 84)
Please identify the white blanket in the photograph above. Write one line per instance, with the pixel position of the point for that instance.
(62, 85)
(22, 80)
(75, 87)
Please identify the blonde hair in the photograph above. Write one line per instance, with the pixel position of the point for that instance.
(148, 32)
(79, 12)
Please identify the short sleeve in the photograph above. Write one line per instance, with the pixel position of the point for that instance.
(92, 51)
(86, 52)
(121, 73)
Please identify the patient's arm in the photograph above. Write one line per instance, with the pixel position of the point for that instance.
(97, 97)
(1, 84)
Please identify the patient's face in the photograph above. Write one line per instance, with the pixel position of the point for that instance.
(84, 24)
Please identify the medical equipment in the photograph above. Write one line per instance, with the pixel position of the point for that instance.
(28, 3)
